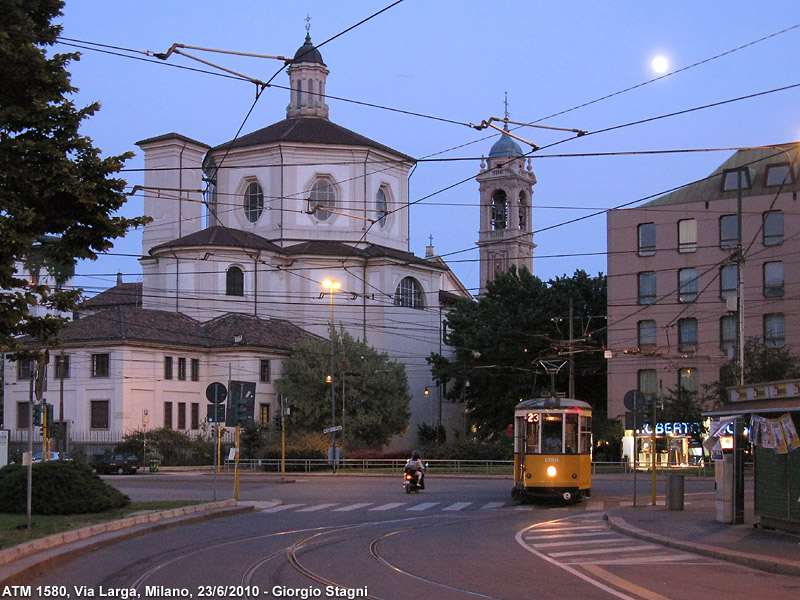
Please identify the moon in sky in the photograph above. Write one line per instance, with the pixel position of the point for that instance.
(660, 64)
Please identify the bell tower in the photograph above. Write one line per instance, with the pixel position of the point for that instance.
(307, 77)
(506, 183)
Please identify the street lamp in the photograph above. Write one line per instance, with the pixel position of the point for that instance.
(331, 286)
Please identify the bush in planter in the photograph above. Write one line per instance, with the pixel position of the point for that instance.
(59, 488)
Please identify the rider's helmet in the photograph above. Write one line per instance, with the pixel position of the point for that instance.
(415, 455)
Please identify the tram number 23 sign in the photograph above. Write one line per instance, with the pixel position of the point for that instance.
(532, 417)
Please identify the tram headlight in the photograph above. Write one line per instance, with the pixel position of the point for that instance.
(551, 471)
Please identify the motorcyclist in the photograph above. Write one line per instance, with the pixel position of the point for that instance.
(416, 466)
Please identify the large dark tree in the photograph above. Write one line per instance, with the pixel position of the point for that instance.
(58, 199)
(371, 390)
(509, 343)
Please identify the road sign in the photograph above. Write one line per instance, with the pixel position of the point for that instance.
(216, 392)
(634, 400)
(215, 413)
(332, 429)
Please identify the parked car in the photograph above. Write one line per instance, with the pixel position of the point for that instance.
(37, 458)
(118, 463)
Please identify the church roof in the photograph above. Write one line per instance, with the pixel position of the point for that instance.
(307, 53)
(221, 236)
(132, 324)
(307, 130)
(505, 146)
(125, 294)
(340, 249)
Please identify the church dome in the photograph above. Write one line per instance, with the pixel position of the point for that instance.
(505, 146)
(307, 53)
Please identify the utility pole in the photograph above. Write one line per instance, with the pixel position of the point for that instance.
(738, 435)
(571, 357)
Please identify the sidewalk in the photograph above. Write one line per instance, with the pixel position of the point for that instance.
(696, 529)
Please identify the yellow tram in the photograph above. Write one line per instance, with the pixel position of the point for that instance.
(552, 449)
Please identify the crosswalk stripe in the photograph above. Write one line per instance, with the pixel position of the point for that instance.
(603, 550)
(582, 542)
(318, 507)
(423, 506)
(281, 507)
(490, 505)
(639, 560)
(352, 507)
(389, 506)
(552, 536)
(458, 506)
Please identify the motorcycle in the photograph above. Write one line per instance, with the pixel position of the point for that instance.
(410, 482)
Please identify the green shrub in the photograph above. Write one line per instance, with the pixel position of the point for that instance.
(59, 488)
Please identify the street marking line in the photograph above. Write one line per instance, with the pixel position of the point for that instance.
(389, 506)
(655, 558)
(352, 507)
(595, 527)
(281, 507)
(552, 536)
(423, 506)
(318, 507)
(603, 550)
(580, 542)
(458, 506)
(490, 505)
(623, 584)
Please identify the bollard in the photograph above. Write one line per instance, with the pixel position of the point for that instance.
(674, 491)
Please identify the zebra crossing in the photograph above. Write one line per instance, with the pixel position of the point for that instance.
(590, 541)
(273, 507)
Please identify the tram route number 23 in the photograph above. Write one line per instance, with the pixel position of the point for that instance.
(532, 417)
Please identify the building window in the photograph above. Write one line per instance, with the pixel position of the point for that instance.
(181, 368)
(499, 210)
(23, 415)
(195, 369)
(100, 365)
(195, 415)
(61, 367)
(263, 415)
(253, 202)
(773, 279)
(381, 207)
(167, 367)
(168, 415)
(728, 231)
(181, 415)
(409, 294)
(264, 370)
(779, 174)
(646, 334)
(647, 239)
(687, 235)
(24, 369)
(774, 331)
(728, 281)
(99, 414)
(727, 334)
(234, 282)
(523, 211)
(687, 285)
(322, 194)
(730, 180)
(773, 228)
(647, 287)
(688, 379)
(648, 382)
(687, 335)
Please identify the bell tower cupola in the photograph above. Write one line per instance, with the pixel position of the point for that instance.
(307, 76)
(506, 183)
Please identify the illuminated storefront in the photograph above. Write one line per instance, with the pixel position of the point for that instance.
(676, 445)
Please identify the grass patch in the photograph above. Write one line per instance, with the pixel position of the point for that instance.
(13, 529)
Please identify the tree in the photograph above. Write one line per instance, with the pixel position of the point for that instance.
(374, 389)
(503, 341)
(58, 201)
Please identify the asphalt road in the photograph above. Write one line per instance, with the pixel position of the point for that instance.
(351, 537)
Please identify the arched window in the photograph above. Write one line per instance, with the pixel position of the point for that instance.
(409, 294)
(253, 201)
(499, 210)
(322, 194)
(234, 282)
(523, 211)
(381, 206)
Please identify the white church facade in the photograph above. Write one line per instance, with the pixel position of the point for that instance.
(243, 235)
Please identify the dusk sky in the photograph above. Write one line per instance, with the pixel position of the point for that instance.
(450, 63)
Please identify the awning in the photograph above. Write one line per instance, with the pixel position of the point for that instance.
(747, 407)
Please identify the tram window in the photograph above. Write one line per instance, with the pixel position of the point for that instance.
(571, 434)
(586, 435)
(532, 440)
(551, 433)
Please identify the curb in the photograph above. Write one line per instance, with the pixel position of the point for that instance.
(33, 555)
(769, 564)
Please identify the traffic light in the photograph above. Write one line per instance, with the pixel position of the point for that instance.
(241, 403)
(278, 422)
(37, 414)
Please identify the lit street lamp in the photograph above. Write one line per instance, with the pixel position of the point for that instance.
(331, 285)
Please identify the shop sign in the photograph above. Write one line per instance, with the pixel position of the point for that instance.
(676, 428)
